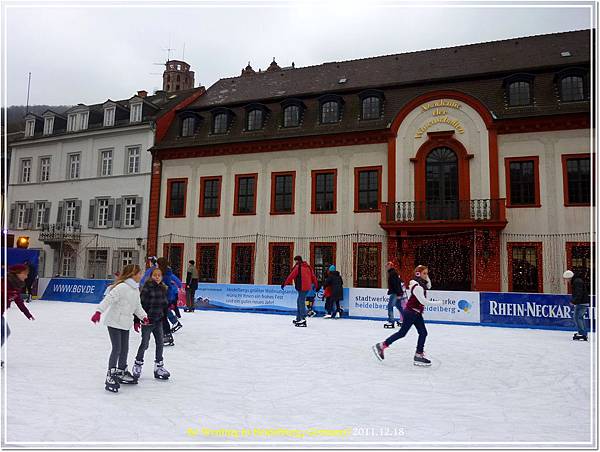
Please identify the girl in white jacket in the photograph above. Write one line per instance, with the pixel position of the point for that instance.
(123, 302)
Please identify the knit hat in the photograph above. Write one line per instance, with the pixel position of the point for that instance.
(332, 268)
(568, 274)
(18, 268)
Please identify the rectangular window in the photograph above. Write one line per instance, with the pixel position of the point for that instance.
(282, 192)
(242, 263)
(367, 189)
(74, 166)
(70, 212)
(126, 257)
(29, 128)
(102, 207)
(48, 125)
(174, 254)
(280, 261)
(579, 259)
(322, 255)
(21, 215)
(207, 260)
(525, 267)
(522, 181)
(68, 264)
(577, 179)
(367, 265)
(44, 169)
(25, 171)
(324, 188)
(97, 264)
(109, 117)
(176, 198)
(133, 160)
(130, 208)
(106, 162)
(210, 196)
(245, 194)
(82, 120)
(136, 113)
(40, 214)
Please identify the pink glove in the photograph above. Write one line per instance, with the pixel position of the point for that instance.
(96, 317)
(146, 321)
(136, 327)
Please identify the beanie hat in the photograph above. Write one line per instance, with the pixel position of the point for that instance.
(332, 268)
(18, 268)
(568, 274)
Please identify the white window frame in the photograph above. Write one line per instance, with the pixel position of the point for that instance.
(67, 264)
(106, 163)
(29, 128)
(40, 210)
(82, 120)
(48, 125)
(78, 166)
(21, 212)
(129, 211)
(133, 158)
(25, 171)
(45, 169)
(125, 260)
(109, 116)
(135, 114)
(102, 212)
(70, 208)
(72, 122)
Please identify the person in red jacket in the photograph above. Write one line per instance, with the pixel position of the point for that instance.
(15, 283)
(303, 277)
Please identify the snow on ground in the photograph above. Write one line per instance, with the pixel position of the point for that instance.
(235, 371)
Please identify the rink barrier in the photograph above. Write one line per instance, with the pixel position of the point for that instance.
(505, 310)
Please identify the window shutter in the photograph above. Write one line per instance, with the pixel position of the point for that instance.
(47, 213)
(77, 212)
(116, 261)
(136, 257)
(61, 210)
(92, 213)
(55, 262)
(109, 215)
(138, 212)
(11, 220)
(28, 215)
(118, 208)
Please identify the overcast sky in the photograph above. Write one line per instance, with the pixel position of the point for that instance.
(87, 55)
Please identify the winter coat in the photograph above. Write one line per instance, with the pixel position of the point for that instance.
(172, 282)
(122, 302)
(154, 300)
(303, 277)
(417, 288)
(580, 291)
(395, 285)
(336, 284)
(14, 289)
(191, 278)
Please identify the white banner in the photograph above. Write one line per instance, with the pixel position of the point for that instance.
(456, 307)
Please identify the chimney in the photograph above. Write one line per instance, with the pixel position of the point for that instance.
(142, 93)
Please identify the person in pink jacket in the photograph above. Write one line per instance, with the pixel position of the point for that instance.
(303, 277)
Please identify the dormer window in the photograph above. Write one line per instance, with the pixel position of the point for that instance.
(29, 128)
(330, 107)
(77, 121)
(371, 103)
(188, 126)
(109, 116)
(220, 122)
(48, 125)
(82, 119)
(255, 119)
(292, 110)
(519, 90)
(571, 88)
(72, 123)
(136, 113)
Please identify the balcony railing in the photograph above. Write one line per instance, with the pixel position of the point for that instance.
(469, 210)
(60, 232)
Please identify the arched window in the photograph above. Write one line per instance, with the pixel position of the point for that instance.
(255, 119)
(571, 88)
(441, 189)
(330, 112)
(519, 93)
(220, 123)
(371, 107)
(291, 116)
(188, 126)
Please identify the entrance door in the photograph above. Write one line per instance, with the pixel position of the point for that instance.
(450, 264)
(442, 184)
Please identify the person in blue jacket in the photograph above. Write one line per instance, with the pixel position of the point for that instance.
(310, 301)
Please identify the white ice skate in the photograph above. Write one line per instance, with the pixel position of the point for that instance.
(137, 369)
(420, 360)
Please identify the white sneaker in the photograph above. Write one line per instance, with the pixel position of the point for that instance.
(327, 316)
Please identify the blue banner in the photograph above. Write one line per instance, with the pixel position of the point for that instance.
(527, 309)
(76, 290)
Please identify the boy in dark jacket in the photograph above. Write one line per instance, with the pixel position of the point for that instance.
(581, 300)
(154, 301)
(396, 293)
(335, 284)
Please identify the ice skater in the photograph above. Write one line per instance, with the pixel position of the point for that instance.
(397, 296)
(334, 284)
(191, 285)
(310, 301)
(303, 278)
(154, 301)
(413, 315)
(580, 299)
(122, 302)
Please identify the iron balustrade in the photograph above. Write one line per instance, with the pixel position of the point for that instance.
(468, 210)
(60, 232)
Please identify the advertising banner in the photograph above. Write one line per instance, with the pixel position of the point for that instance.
(455, 307)
(76, 290)
(528, 309)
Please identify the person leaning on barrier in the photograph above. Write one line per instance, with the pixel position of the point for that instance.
(580, 298)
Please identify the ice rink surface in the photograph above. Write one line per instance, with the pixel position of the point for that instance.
(254, 378)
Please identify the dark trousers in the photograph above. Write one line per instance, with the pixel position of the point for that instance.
(120, 347)
(410, 318)
(190, 293)
(329, 302)
(155, 329)
(166, 327)
(5, 330)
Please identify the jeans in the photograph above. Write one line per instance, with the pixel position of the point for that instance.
(578, 315)
(301, 302)
(120, 347)
(172, 317)
(410, 318)
(189, 298)
(394, 301)
(5, 330)
(155, 329)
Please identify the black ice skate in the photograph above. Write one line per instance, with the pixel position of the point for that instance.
(420, 360)
(300, 323)
(311, 314)
(125, 377)
(580, 337)
(112, 382)
(388, 325)
(176, 327)
(398, 323)
(378, 350)
(160, 373)
(168, 340)
(136, 371)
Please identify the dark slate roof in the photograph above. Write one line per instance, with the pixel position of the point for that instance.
(478, 70)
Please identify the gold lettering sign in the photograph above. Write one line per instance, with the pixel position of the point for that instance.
(440, 116)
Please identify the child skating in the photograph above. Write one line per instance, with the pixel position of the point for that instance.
(413, 315)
